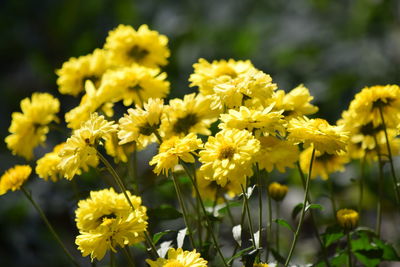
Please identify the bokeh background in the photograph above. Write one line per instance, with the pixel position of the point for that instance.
(334, 47)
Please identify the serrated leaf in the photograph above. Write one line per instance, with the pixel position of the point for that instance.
(157, 236)
(314, 206)
(332, 234)
(284, 224)
(296, 210)
(164, 212)
(181, 237)
(237, 234)
(164, 247)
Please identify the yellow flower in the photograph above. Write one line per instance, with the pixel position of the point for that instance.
(347, 218)
(276, 153)
(133, 84)
(105, 220)
(229, 156)
(140, 125)
(76, 71)
(295, 103)
(319, 133)
(260, 265)
(257, 121)
(144, 46)
(179, 258)
(324, 163)
(277, 191)
(79, 152)
(14, 178)
(47, 166)
(173, 150)
(29, 128)
(210, 190)
(117, 151)
(190, 115)
(366, 105)
(206, 75)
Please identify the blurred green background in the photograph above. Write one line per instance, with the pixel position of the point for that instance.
(334, 47)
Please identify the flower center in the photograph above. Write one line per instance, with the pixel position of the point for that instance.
(146, 129)
(183, 125)
(226, 152)
(174, 264)
(137, 53)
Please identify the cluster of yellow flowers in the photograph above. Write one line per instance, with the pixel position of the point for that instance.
(257, 126)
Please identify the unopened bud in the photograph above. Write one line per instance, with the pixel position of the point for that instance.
(347, 218)
(277, 191)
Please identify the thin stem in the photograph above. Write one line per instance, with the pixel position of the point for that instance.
(361, 185)
(269, 227)
(296, 235)
(277, 207)
(243, 215)
(349, 248)
(198, 213)
(128, 256)
(380, 189)
(112, 259)
(132, 169)
(122, 188)
(228, 209)
(260, 213)
(332, 196)
(246, 203)
(315, 227)
(395, 181)
(159, 138)
(48, 224)
(184, 211)
(205, 214)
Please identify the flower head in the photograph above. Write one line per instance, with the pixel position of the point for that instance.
(141, 124)
(79, 152)
(76, 71)
(144, 46)
(179, 258)
(277, 191)
(319, 133)
(105, 220)
(229, 156)
(174, 149)
(29, 128)
(14, 178)
(47, 166)
(347, 218)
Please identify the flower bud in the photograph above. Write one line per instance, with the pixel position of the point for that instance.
(347, 218)
(277, 191)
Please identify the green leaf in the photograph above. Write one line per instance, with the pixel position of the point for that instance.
(332, 234)
(232, 204)
(389, 253)
(164, 212)
(296, 210)
(284, 224)
(340, 259)
(239, 254)
(370, 258)
(314, 206)
(157, 236)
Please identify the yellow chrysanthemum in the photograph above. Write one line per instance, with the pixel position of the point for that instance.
(347, 218)
(117, 151)
(179, 258)
(47, 166)
(14, 178)
(144, 46)
(76, 71)
(229, 156)
(190, 115)
(206, 75)
(174, 149)
(133, 84)
(79, 152)
(140, 125)
(29, 128)
(265, 121)
(324, 164)
(319, 133)
(296, 103)
(366, 105)
(105, 220)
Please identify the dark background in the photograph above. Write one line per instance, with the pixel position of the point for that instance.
(334, 47)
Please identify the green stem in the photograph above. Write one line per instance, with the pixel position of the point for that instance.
(349, 248)
(269, 227)
(228, 209)
(312, 215)
(395, 181)
(277, 207)
(48, 224)
(128, 256)
(122, 188)
(246, 203)
(184, 211)
(361, 184)
(205, 214)
(198, 213)
(260, 213)
(332, 196)
(243, 215)
(112, 259)
(380, 189)
(132, 169)
(296, 235)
